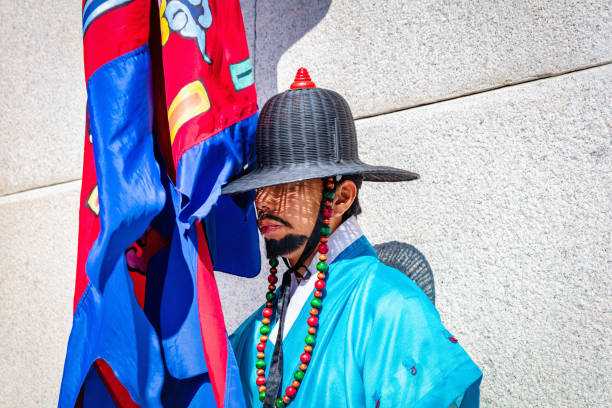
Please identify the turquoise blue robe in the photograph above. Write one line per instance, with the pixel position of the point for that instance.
(380, 343)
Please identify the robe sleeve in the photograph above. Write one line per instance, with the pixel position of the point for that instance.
(410, 359)
(243, 342)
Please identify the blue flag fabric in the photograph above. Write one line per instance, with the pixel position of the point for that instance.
(108, 322)
(161, 141)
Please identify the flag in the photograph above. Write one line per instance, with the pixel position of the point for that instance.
(171, 116)
(212, 115)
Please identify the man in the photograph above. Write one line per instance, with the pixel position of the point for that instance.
(343, 329)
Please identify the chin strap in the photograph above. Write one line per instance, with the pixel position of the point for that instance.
(275, 375)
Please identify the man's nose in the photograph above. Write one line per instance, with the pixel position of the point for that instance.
(264, 202)
(270, 199)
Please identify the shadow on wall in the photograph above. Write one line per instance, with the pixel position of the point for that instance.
(278, 25)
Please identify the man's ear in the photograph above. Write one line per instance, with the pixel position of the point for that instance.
(344, 198)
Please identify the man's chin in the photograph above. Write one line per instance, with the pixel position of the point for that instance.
(285, 246)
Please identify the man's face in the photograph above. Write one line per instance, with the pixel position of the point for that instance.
(287, 214)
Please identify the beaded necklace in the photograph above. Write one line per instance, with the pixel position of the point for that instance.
(315, 302)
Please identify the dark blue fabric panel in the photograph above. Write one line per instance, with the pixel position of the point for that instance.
(230, 222)
(95, 394)
(180, 322)
(192, 392)
(231, 230)
(197, 391)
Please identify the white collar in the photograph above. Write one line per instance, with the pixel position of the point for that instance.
(347, 233)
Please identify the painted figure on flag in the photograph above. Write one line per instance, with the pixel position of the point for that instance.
(148, 329)
(191, 19)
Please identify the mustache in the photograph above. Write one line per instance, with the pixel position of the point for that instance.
(274, 218)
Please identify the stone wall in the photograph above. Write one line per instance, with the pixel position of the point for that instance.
(502, 107)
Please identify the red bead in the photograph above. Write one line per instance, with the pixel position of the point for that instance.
(305, 358)
(290, 391)
(267, 312)
(269, 304)
(318, 293)
(320, 284)
(328, 212)
(313, 321)
(272, 279)
(261, 346)
(261, 380)
(323, 248)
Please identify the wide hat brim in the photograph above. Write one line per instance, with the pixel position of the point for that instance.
(272, 176)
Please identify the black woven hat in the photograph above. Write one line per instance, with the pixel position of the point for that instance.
(306, 133)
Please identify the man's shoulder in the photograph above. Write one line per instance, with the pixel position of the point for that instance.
(387, 294)
(361, 257)
(383, 281)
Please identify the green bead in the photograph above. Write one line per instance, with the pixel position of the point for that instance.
(299, 375)
(262, 396)
(329, 194)
(321, 266)
(270, 295)
(264, 329)
(261, 363)
(280, 403)
(325, 230)
(316, 302)
(273, 262)
(310, 339)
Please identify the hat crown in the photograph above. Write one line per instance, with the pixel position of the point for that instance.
(307, 125)
(307, 133)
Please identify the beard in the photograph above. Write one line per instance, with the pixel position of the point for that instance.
(285, 245)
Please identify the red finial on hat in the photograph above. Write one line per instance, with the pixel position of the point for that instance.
(302, 80)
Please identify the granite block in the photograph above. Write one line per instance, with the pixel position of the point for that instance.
(514, 212)
(38, 258)
(387, 55)
(248, 17)
(42, 95)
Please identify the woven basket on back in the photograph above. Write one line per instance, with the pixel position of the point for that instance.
(408, 260)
